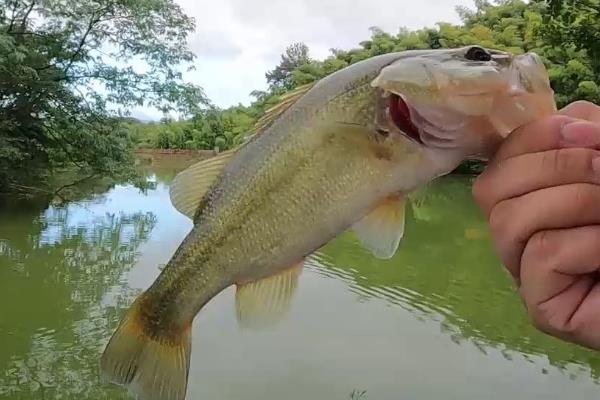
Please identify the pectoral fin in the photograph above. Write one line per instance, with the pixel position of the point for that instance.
(265, 302)
(383, 228)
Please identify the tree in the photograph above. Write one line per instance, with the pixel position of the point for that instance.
(294, 57)
(566, 34)
(571, 32)
(68, 66)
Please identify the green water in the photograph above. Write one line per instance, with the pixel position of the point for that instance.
(438, 321)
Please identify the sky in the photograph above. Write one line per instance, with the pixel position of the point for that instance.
(237, 41)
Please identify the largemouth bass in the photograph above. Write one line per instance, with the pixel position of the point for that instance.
(335, 155)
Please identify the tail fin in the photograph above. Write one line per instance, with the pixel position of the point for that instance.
(151, 366)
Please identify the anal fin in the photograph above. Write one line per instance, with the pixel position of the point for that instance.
(382, 229)
(263, 303)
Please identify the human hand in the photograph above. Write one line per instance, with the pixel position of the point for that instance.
(541, 194)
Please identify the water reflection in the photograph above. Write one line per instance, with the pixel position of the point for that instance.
(439, 320)
(55, 270)
(64, 281)
(446, 272)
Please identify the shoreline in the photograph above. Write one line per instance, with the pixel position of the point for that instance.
(201, 153)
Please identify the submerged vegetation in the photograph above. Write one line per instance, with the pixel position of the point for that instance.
(66, 76)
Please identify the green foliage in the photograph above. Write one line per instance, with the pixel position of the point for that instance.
(571, 33)
(358, 394)
(295, 56)
(63, 67)
(565, 33)
(208, 130)
(66, 67)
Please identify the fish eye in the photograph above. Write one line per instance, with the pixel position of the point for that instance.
(478, 54)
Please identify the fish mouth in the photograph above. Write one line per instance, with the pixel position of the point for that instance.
(423, 125)
(400, 116)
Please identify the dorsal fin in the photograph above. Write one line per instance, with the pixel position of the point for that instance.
(189, 186)
(285, 102)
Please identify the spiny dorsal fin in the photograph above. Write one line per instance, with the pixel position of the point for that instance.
(189, 186)
(382, 229)
(265, 302)
(285, 102)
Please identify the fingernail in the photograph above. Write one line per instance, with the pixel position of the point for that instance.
(580, 133)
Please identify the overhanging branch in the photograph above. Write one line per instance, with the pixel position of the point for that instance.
(26, 17)
(93, 21)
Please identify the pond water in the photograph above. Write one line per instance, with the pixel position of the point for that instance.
(438, 321)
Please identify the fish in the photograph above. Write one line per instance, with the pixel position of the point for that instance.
(341, 154)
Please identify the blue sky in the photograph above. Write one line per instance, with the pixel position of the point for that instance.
(237, 41)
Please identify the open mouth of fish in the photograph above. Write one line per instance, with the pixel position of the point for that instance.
(400, 115)
(430, 126)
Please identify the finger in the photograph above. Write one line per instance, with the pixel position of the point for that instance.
(514, 221)
(559, 282)
(554, 259)
(545, 134)
(550, 133)
(529, 172)
(582, 110)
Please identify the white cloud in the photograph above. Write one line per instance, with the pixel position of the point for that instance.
(237, 41)
(215, 44)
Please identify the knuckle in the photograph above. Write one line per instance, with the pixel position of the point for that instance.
(538, 320)
(543, 254)
(484, 189)
(541, 248)
(568, 162)
(502, 221)
(541, 318)
(555, 122)
(550, 160)
(547, 318)
(535, 130)
(584, 196)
